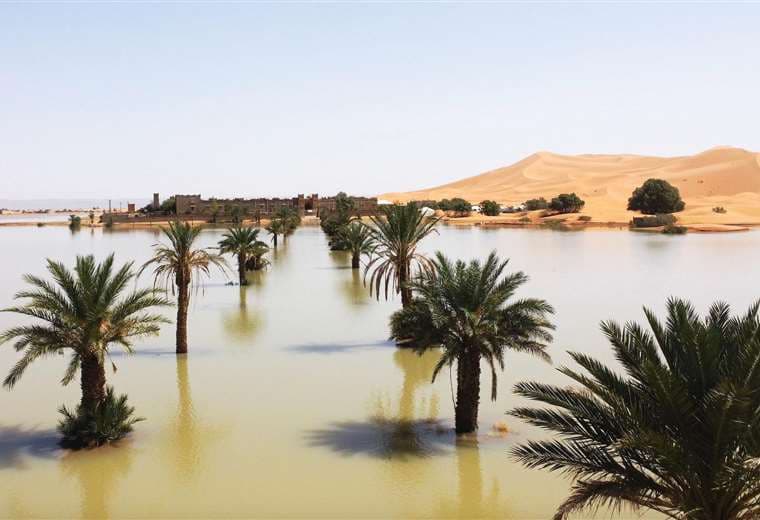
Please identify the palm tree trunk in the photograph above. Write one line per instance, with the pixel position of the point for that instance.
(355, 261)
(403, 279)
(183, 300)
(93, 381)
(468, 392)
(274, 239)
(241, 269)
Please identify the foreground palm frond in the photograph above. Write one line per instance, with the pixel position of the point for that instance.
(677, 432)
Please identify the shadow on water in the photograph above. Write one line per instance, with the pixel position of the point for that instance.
(16, 443)
(338, 348)
(411, 430)
(98, 472)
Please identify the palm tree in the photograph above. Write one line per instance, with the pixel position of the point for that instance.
(177, 265)
(358, 238)
(276, 227)
(75, 221)
(257, 262)
(83, 312)
(465, 310)
(242, 242)
(396, 235)
(677, 432)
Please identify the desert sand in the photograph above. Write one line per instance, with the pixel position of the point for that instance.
(722, 176)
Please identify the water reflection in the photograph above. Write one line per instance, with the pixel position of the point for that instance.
(411, 429)
(354, 290)
(98, 472)
(243, 324)
(184, 435)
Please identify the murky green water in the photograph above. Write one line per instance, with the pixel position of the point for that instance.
(292, 403)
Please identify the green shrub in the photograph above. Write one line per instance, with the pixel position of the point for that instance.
(658, 220)
(567, 203)
(672, 229)
(490, 208)
(535, 204)
(719, 209)
(75, 222)
(112, 420)
(656, 196)
(456, 204)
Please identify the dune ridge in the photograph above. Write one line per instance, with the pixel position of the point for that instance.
(721, 176)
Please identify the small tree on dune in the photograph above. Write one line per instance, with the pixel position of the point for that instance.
(567, 203)
(656, 196)
(490, 208)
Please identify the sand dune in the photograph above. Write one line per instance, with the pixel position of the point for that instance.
(723, 176)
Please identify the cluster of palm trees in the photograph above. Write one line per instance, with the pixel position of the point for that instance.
(283, 223)
(678, 431)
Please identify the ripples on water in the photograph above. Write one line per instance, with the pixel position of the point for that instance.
(293, 403)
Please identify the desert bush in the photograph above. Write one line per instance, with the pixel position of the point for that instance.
(584, 218)
(672, 229)
(112, 420)
(719, 209)
(524, 219)
(658, 220)
(656, 196)
(567, 203)
(490, 208)
(534, 204)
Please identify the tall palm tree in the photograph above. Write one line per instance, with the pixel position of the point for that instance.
(177, 265)
(244, 243)
(256, 261)
(358, 238)
(396, 234)
(275, 228)
(85, 312)
(677, 432)
(465, 310)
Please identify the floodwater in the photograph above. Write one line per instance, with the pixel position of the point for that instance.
(292, 403)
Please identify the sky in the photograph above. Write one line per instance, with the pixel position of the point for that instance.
(264, 99)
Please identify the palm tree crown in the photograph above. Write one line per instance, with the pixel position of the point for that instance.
(678, 432)
(242, 242)
(396, 234)
(178, 264)
(464, 308)
(86, 312)
(358, 238)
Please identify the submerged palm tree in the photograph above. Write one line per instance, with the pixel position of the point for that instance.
(465, 310)
(244, 243)
(86, 312)
(678, 432)
(257, 262)
(177, 265)
(358, 238)
(275, 228)
(396, 235)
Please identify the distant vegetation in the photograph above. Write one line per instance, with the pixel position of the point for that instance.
(244, 244)
(567, 203)
(456, 205)
(536, 204)
(658, 220)
(358, 239)
(719, 209)
(490, 208)
(656, 196)
(673, 229)
(75, 222)
(335, 222)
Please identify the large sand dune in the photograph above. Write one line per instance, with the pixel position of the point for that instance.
(725, 176)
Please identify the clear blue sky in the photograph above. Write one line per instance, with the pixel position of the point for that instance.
(121, 100)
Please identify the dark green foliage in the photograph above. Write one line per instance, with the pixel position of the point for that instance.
(467, 310)
(490, 208)
(567, 203)
(457, 205)
(676, 431)
(236, 215)
(334, 222)
(672, 229)
(75, 222)
(111, 420)
(358, 239)
(169, 206)
(244, 244)
(536, 204)
(656, 196)
(659, 220)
